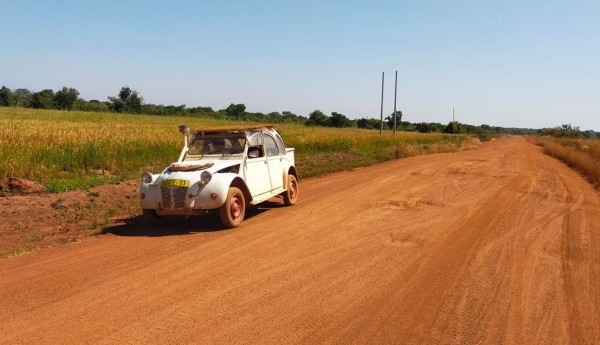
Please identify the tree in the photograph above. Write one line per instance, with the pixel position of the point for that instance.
(430, 127)
(288, 115)
(317, 118)
(116, 104)
(454, 127)
(390, 119)
(65, 98)
(201, 110)
(91, 105)
(134, 103)
(7, 98)
(128, 101)
(125, 93)
(23, 98)
(274, 116)
(43, 99)
(564, 131)
(368, 123)
(339, 120)
(235, 110)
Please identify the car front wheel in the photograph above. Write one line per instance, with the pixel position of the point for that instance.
(233, 210)
(290, 196)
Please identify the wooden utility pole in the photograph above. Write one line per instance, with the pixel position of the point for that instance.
(453, 122)
(382, 79)
(395, 95)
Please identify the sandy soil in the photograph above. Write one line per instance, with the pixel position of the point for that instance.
(30, 222)
(495, 245)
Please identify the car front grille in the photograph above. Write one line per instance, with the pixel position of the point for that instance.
(173, 197)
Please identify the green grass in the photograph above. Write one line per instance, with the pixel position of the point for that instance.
(325, 150)
(69, 150)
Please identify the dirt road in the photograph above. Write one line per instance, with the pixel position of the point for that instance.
(495, 245)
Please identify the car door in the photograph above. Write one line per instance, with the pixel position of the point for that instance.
(273, 161)
(256, 170)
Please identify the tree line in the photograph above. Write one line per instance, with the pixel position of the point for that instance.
(568, 131)
(45, 99)
(130, 101)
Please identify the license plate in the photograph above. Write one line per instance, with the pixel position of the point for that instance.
(176, 183)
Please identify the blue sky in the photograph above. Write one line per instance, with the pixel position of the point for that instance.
(507, 63)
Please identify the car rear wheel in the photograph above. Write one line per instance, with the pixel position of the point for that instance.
(290, 196)
(233, 210)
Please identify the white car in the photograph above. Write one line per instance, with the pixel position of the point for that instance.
(224, 168)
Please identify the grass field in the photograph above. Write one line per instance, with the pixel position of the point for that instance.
(581, 155)
(68, 150)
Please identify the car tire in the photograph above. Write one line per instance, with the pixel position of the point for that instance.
(233, 210)
(290, 196)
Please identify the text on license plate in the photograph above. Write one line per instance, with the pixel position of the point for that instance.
(176, 183)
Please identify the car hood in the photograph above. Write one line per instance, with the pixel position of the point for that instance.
(205, 164)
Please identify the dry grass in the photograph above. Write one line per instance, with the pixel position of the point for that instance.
(69, 150)
(581, 155)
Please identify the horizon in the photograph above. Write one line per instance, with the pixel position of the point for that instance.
(509, 64)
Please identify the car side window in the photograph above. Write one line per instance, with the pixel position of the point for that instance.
(280, 144)
(271, 146)
(255, 139)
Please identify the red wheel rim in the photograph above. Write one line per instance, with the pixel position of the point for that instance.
(235, 207)
(293, 189)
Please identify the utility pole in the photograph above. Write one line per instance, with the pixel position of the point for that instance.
(453, 122)
(395, 95)
(382, 79)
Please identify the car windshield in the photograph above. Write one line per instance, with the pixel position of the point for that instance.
(229, 144)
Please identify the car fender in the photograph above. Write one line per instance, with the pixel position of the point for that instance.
(149, 195)
(214, 194)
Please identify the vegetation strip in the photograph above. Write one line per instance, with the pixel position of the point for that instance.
(580, 154)
(69, 150)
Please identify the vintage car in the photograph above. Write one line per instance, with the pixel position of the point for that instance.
(224, 169)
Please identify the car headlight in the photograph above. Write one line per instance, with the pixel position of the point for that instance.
(147, 177)
(205, 177)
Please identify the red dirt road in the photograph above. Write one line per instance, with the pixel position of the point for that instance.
(495, 245)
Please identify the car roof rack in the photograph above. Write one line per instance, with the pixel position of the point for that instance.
(233, 128)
